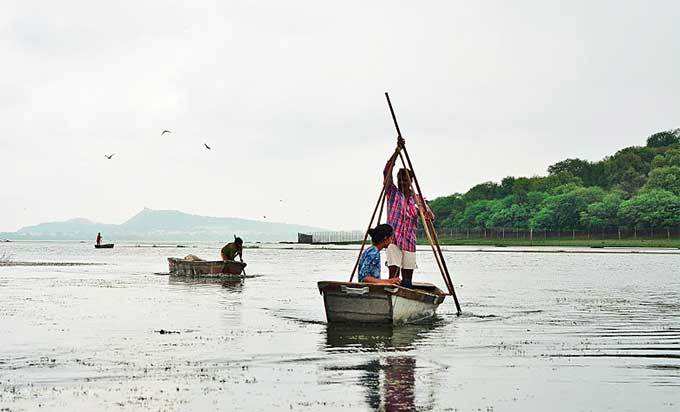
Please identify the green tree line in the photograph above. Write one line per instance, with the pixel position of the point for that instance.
(638, 186)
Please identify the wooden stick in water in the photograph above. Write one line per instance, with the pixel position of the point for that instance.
(428, 234)
(436, 240)
(363, 242)
(243, 269)
(445, 271)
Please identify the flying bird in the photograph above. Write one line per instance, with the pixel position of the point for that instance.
(264, 217)
(206, 146)
(109, 156)
(165, 131)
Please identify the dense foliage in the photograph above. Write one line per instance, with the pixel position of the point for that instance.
(636, 187)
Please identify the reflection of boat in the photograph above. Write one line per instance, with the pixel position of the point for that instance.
(104, 246)
(389, 381)
(205, 268)
(226, 282)
(390, 378)
(378, 337)
(371, 303)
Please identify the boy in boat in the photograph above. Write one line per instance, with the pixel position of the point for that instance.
(231, 250)
(403, 209)
(369, 263)
(99, 238)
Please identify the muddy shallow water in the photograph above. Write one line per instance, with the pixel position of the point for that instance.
(567, 331)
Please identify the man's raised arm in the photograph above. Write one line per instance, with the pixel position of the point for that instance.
(389, 167)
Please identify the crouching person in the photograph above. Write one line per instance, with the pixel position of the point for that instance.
(233, 249)
(369, 263)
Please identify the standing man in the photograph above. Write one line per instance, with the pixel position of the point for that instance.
(402, 214)
(99, 238)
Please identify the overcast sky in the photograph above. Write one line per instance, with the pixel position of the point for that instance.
(289, 95)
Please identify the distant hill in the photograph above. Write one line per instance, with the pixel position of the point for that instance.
(163, 225)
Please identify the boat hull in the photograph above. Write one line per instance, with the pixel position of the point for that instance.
(383, 304)
(104, 246)
(204, 268)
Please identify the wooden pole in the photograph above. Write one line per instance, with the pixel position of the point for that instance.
(451, 290)
(382, 205)
(445, 271)
(243, 270)
(363, 242)
(434, 240)
(429, 235)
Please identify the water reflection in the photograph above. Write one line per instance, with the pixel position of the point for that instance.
(388, 380)
(376, 337)
(232, 285)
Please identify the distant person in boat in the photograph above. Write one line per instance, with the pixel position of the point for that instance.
(402, 214)
(99, 238)
(233, 249)
(369, 262)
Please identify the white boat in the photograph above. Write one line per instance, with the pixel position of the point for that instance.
(371, 303)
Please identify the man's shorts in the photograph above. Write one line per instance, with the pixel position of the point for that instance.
(401, 258)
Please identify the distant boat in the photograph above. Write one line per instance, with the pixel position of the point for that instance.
(104, 246)
(205, 268)
(371, 303)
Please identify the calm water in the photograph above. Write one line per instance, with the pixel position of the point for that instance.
(561, 331)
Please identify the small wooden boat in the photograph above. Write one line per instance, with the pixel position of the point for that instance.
(371, 303)
(205, 268)
(104, 246)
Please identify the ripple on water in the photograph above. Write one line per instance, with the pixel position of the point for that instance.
(584, 326)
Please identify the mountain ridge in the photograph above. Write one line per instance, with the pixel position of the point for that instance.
(150, 224)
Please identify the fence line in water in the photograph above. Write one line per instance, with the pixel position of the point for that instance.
(509, 233)
(331, 237)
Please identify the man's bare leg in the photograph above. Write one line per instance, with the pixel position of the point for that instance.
(406, 277)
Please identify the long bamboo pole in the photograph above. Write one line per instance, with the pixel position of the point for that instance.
(436, 243)
(436, 240)
(382, 205)
(435, 236)
(370, 224)
(445, 272)
(426, 228)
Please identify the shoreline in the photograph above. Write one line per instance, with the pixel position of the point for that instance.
(626, 246)
(589, 243)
